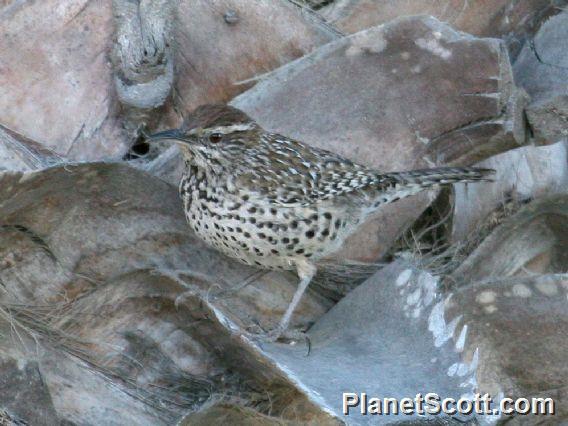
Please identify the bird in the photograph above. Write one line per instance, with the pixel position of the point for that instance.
(277, 203)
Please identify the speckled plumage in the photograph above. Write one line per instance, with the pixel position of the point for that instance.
(277, 203)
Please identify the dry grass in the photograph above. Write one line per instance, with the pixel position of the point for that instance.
(34, 329)
(428, 242)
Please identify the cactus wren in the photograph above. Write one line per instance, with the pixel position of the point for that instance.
(277, 203)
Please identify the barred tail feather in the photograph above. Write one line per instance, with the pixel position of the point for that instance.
(428, 178)
(399, 185)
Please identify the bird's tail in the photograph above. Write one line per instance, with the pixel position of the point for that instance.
(428, 178)
(399, 185)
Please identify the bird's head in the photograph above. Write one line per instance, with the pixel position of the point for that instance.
(213, 135)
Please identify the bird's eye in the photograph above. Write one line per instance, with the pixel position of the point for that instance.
(215, 137)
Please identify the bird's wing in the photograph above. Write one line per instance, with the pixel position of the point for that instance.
(286, 172)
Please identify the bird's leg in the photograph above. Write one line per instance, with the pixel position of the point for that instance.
(306, 272)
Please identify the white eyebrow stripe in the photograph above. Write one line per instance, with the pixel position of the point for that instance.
(233, 128)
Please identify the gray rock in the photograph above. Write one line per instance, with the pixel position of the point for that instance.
(398, 334)
(542, 69)
(531, 241)
(522, 174)
(384, 338)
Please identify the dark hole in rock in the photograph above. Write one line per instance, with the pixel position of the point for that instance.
(139, 148)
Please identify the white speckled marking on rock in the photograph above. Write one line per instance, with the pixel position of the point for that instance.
(521, 290)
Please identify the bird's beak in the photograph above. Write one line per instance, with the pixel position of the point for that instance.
(174, 134)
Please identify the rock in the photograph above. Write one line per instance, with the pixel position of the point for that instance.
(522, 174)
(419, 94)
(142, 57)
(531, 241)
(134, 314)
(502, 290)
(23, 393)
(224, 413)
(60, 89)
(500, 336)
(385, 330)
(542, 69)
(513, 20)
(216, 60)
(55, 77)
(18, 153)
(514, 329)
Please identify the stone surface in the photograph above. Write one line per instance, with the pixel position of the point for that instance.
(18, 153)
(515, 330)
(55, 76)
(534, 240)
(23, 392)
(99, 269)
(542, 69)
(522, 174)
(418, 94)
(216, 55)
(59, 88)
(513, 20)
(384, 339)
(501, 336)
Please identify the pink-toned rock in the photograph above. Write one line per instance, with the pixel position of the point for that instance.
(58, 86)
(55, 76)
(482, 18)
(222, 44)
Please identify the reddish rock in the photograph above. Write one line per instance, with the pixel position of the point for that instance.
(222, 47)
(55, 77)
(482, 18)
